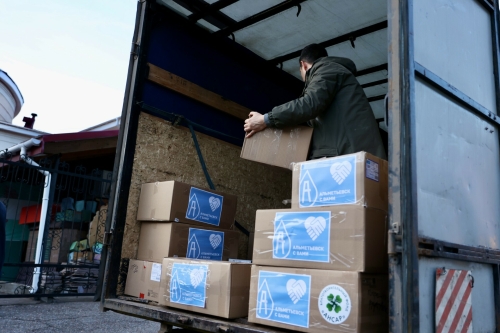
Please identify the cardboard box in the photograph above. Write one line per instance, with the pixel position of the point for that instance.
(58, 244)
(346, 238)
(143, 280)
(354, 179)
(159, 240)
(313, 300)
(278, 147)
(211, 287)
(179, 202)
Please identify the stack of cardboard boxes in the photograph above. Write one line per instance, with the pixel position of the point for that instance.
(184, 244)
(323, 263)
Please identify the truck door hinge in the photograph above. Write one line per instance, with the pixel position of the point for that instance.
(135, 49)
(107, 237)
(392, 247)
(395, 228)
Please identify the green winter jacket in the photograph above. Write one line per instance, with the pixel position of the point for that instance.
(335, 105)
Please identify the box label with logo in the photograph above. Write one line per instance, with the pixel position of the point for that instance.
(205, 244)
(284, 298)
(188, 284)
(327, 183)
(371, 170)
(205, 207)
(302, 236)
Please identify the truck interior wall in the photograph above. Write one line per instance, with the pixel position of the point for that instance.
(164, 152)
(217, 64)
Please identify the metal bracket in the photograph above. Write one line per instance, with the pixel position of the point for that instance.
(135, 49)
(107, 237)
(392, 247)
(352, 38)
(225, 329)
(184, 320)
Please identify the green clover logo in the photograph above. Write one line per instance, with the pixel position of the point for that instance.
(334, 303)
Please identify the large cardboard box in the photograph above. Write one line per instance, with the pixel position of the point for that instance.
(313, 300)
(354, 179)
(278, 147)
(143, 280)
(179, 202)
(346, 238)
(209, 287)
(159, 240)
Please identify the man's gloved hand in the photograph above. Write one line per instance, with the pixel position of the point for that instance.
(255, 123)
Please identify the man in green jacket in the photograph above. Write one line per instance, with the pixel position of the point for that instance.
(332, 102)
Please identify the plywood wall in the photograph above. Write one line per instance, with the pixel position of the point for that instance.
(164, 152)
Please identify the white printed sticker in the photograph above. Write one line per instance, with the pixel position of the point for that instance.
(372, 170)
(334, 304)
(156, 272)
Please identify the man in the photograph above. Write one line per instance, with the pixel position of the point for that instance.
(332, 102)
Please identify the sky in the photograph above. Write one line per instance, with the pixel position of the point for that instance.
(69, 59)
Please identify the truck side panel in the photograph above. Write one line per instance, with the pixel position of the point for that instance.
(453, 39)
(458, 172)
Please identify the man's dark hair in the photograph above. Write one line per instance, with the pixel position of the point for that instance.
(312, 52)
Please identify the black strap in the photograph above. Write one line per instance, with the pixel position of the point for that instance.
(207, 175)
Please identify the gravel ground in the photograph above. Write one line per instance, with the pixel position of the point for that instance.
(67, 315)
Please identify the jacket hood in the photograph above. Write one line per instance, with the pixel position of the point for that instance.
(347, 63)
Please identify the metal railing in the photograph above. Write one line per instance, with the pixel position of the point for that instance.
(54, 227)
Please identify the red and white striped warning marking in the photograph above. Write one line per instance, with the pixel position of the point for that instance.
(453, 300)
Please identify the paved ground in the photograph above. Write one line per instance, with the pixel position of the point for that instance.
(67, 315)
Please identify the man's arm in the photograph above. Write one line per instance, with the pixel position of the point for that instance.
(317, 97)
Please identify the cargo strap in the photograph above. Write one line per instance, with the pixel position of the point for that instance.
(176, 119)
(207, 175)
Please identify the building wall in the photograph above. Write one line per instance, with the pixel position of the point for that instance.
(9, 139)
(164, 152)
(7, 104)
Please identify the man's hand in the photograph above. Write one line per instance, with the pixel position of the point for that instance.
(255, 123)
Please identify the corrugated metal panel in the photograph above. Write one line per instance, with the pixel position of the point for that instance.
(453, 39)
(458, 174)
(319, 20)
(370, 50)
(244, 9)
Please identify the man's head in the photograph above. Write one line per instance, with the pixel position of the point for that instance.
(308, 56)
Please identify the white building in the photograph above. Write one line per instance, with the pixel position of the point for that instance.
(11, 101)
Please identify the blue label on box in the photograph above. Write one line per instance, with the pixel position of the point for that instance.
(204, 206)
(302, 236)
(284, 298)
(328, 182)
(205, 244)
(188, 284)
